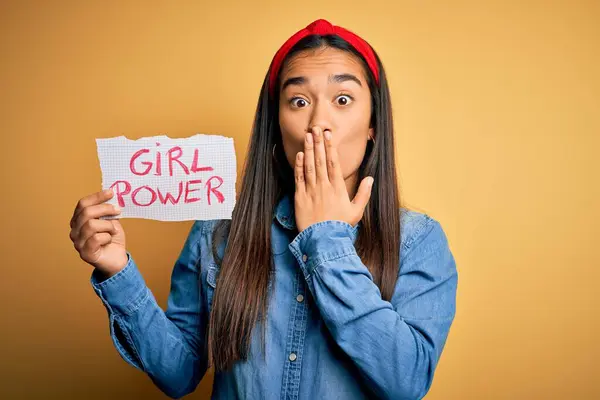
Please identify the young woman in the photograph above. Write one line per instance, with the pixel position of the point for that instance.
(321, 286)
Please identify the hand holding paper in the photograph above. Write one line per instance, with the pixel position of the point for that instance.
(170, 179)
(100, 243)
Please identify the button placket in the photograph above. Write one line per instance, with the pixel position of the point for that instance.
(295, 342)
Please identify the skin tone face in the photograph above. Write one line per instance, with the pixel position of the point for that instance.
(326, 88)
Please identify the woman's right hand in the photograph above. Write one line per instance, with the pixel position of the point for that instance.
(100, 242)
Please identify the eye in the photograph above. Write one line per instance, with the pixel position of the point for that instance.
(298, 102)
(343, 100)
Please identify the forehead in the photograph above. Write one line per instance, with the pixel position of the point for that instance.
(323, 61)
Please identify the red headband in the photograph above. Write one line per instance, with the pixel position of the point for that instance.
(323, 28)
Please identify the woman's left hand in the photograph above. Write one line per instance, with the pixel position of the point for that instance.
(321, 193)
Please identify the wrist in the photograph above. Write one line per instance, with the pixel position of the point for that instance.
(106, 272)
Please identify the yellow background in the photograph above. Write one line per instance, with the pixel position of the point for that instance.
(496, 106)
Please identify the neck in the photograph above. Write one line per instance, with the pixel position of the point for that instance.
(352, 185)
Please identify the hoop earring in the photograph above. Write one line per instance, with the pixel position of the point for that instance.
(275, 145)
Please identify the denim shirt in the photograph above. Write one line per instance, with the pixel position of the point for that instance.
(329, 334)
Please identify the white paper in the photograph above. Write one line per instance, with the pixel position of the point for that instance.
(169, 179)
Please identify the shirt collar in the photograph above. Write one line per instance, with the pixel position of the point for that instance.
(284, 213)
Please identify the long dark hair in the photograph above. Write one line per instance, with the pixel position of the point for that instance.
(241, 295)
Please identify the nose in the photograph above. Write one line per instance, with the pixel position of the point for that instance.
(321, 117)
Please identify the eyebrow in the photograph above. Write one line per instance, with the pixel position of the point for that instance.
(301, 80)
(298, 80)
(344, 78)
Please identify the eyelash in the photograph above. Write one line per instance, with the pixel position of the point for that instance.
(338, 96)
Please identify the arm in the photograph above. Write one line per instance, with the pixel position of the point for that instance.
(395, 345)
(168, 346)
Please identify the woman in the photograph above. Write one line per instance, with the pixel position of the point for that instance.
(320, 286)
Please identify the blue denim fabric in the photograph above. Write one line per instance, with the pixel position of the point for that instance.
(329, 333)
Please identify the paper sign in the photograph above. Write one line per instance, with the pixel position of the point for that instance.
(170, 179)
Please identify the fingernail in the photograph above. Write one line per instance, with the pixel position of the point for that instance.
(309, 137)
(117, 209)
(371, 181)
(327, 135)
(317, 131)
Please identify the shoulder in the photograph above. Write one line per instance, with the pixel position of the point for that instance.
(202, 229)
(200, 239)
(420, 232)
(425, 256)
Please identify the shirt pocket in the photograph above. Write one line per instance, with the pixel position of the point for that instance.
(211, 282)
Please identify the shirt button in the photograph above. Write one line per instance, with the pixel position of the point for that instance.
(292, 357)
(300, 298)
(304, 257)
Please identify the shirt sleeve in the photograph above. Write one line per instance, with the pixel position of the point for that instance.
(166, 345)
(395, 345)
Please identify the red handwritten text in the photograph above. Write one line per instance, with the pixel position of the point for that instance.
(142, 162)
